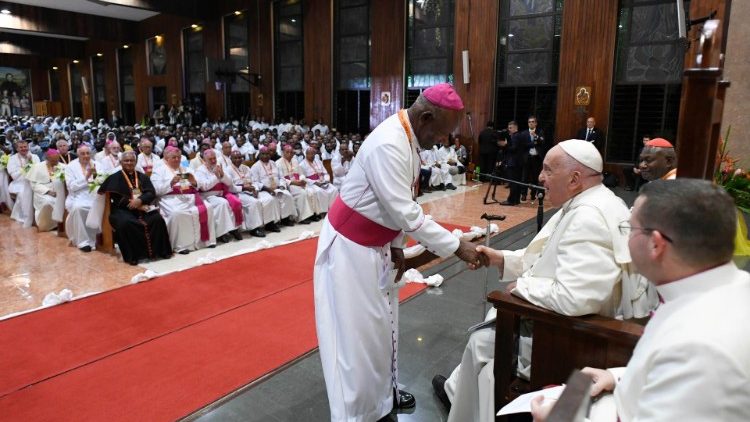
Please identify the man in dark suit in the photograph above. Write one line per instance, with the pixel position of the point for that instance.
(591, 134)
(515, 153)
(488, 147)
(537, 147)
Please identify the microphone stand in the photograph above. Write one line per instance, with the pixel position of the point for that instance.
(539, 196)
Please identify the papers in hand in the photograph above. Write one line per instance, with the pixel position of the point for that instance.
(523, 402)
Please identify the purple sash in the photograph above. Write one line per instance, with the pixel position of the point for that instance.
(202, 211)
(234, 201)
(315, 176)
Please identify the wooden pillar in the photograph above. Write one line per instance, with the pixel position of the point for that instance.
(587, 54)
(318, 55)
(475, 30)
(387, 58)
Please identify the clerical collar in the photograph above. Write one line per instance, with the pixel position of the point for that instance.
(700, 283)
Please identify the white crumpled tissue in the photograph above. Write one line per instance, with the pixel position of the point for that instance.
(146, 275)
(413, 275)
(53, 298)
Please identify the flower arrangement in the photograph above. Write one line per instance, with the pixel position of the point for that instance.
(98, 180)
(59, 173)
(4, 161)
(733, 179)
(27, 168)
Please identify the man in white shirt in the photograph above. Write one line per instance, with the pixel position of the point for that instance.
(693, 361)
(191, 145)
(356, 306)
(49, 194)
(147, 160)
(19, 165)
(78, 174)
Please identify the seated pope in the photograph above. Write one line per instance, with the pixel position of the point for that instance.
(139, 229)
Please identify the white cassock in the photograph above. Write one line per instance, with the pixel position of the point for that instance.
(48, 209)
(23, 208)
(271, 206)
(182, 211)
(302, 199)
(252, 207)
(190, 146)
(224, 161)
(267, 175)
(340, 170)
(692, 362)
(147, 164)
(440, 175)
(108, 164)
(78, 203)
(574, 266)
(196, 162)
(356, 306)
(323, 195)
(449, 154)
(4, 185)
(224, 218)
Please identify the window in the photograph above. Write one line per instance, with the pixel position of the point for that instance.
(429, 45)
(352, 66)
(290, 96)
(126, 85)
(54, 85)
(648, 75)
(100, 89)
(75, 90)
(528, 56)
(236, 51)
(195, 71)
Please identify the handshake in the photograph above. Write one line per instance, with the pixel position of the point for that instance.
(478, 256)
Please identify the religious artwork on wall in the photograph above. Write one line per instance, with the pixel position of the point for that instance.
(15, 92)
(157, 55)
(583, 95)
(385, 98)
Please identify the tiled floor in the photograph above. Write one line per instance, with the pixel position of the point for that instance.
(34, 264)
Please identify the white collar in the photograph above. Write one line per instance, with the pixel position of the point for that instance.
(699, 283)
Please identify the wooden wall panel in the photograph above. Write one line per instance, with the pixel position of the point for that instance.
(387, 55)
(476, 26)
(318, 55)
(262, 57)
(108, 49)
(587, 54)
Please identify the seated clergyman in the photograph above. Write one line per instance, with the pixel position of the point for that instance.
(215, 184)
(78, 174)
(139, 229)
(253, 196)
(46, 183)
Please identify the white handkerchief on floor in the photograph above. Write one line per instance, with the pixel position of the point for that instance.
(522, 403)
(53, 298)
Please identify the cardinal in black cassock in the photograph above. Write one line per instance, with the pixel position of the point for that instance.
(140, 233)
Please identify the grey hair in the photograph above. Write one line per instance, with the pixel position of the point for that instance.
(123, 154)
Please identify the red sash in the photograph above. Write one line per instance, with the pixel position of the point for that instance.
(234, 202)
(202, 211)
(358, 228)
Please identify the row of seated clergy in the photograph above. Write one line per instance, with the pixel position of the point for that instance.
(445, 168)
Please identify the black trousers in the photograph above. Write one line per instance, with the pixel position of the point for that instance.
(514, 173)
(487, 163)
(531, 174)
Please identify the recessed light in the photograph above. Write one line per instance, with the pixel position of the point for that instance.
(5, 12)
(125, 46)
(99, 54)
(54, 67)
(237, 12)
(294, 20)
(510, 35)
(195, 25)
(75, 61)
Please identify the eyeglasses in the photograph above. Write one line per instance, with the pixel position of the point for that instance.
(626, 228)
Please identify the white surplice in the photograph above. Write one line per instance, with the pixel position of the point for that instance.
(78, 203)
(323, 194)
(144, 162)
(180, 211)
(356, 303)
(23, 208)
(268, 175)
(289, 170)
(223, 220)
(48, 209)
(340, 169)
(108, 164)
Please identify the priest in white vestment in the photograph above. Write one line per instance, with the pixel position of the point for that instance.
(578, 264)
(147, 160)
(79, 200)
(49, 194)
(356, 297)
(189, 219)
(215, 184)
(318, 182)
(109, 163)
(261, 213)
(19, 164)
(341, 164)
(289, 169)
(267, 178)
(692, 362)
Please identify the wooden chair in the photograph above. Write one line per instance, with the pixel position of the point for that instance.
(561, 344)
(105, 240)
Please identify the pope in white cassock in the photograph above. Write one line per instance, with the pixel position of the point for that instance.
(19, 165)
(360, 258)
(189, 219)
(49, 193)
(692, 362)
(78, 174)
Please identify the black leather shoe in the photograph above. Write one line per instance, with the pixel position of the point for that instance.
(438, 384)
(273, 227)
(287, 222)
(258, 232)
(85, 249)
(184, 252)
(405, 400)
(450, 186)
(224, 238)
(509, 204)
(236, 234)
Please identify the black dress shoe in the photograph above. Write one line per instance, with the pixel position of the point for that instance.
(509, 204)
(184, 252)
(438, 385)
(236, 234)
(316, 217)
(287, 222)
(406, 400)
(305, 221)
(224, 238)
(273, 227)
(258, 232)
(86, 248)
(450, 186)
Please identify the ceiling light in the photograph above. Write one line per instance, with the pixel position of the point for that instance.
(54, 67)
(5, 12)
(195, 25)
(294, 20)
(75, 61)
(99, 54)
(510, 35)
(125, 46)
(237, 12)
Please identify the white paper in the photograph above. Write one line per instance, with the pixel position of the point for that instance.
(523, 402)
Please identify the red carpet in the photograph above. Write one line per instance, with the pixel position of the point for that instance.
(161, 349)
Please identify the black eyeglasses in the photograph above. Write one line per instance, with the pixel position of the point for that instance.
(626, 228)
